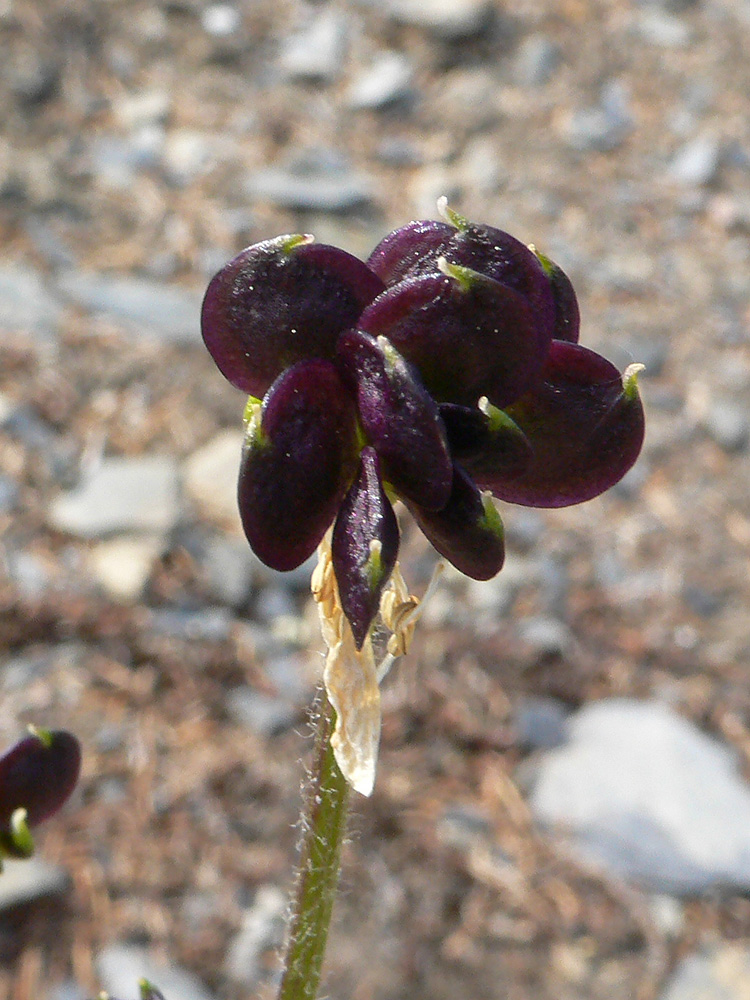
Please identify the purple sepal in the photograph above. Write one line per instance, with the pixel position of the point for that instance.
(415, 249)
(585, 430)
(279, 302)
(38, 774)
(364, 546)
(567, 314)
(297, 464)
(399, 418)
(467, 531)
(485, 443)
(467, 338)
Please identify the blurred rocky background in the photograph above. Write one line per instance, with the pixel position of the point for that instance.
(562, 810)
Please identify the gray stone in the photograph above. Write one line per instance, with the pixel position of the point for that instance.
(643, 792)
(463, 826)
(210, 478)
(120, 967)
(205, 625)
(145, 307)
(321, 180)
(720, 972)
(27, 304)
(316, 52)
(120, 494)
(386, 80)
(542, 723)
(663, 29)
(221, 20)
(142, 107)
(187, 154)
(122, 566)
(726, 422)
(115, 161)
(33, 77)
(228, 565)
(676, 6)
(697, 162)
(262, 930)
(67, 990)
(603, 127)
(452, 20)
(8, 494)
(536, 61)
(545, 636)
(24, 881)
(268, 712)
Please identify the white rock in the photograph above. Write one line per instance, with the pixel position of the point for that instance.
(210, 478)
(317, 51)
(644, 792)
(262, 929)
(123, 565)
(449, 19)
(387, 79)
(24, 881)
(120, 967)
(121, 494)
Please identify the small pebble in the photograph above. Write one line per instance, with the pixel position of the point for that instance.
(386, 80)
(121, 494)
(317, 51)
(697, 162)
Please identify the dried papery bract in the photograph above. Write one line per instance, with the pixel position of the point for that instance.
(351, 675)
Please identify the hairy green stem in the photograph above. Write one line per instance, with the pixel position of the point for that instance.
(318, 873)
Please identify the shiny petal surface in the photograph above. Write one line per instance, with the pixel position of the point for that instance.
(467, 339)
(415, 249)
(364, 546)
(467, 531)
(38, 774)
(567, 314)
(399, 418)
(296, 463)
(585, 426)
(486, 441)
(279, 302)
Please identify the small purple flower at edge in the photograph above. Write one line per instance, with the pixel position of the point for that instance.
(37, 776)
(443, 372)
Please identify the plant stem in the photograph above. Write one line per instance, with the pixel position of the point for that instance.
(318, 873)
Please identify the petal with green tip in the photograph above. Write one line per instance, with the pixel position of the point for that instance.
(279, 302)
(364, 546)
(567, 314)
(399, 418)
(38, 774)
(585, 424)
(485, 440)
(468, 531)
(296, 464)
(414, 251)
(467, 335)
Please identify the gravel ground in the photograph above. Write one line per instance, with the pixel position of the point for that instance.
(143, 145)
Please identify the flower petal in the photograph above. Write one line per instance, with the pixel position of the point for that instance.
(485, 440)
(467, 531)
(585, 424)
(296, 463)
(467, 335)
(364, 546)
(399, 417)
(567, 314)
(414, 250)
(279, 302)
(38, 774)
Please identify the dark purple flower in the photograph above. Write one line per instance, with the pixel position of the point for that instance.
(37, 774)
(446, 366)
